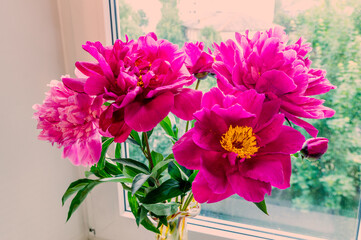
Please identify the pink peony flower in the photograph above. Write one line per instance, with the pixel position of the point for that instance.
(240, 146)
(265, 63)
(198, 61)
(70, 119)
(142, 80)
(314, 148)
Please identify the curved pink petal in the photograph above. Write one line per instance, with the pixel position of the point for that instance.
(186, 152)
(213, 168)
(305, 125)
(209, 129)
(95, 85)
(282, 143)
(250, 189)
(144, 115)
(202, 193)
(235, 115)
(270, 131)
(186, 102)
(275, 81)
(75, 84)
(268, 168)
(213, 97)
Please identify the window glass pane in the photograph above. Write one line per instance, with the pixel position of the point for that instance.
(324, 195)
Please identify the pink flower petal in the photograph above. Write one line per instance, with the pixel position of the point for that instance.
(145, 114)
(186, 152)
(186, 102)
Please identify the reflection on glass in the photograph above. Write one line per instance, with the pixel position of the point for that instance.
(324, 195)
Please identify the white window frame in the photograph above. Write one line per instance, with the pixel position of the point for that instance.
(104, 210)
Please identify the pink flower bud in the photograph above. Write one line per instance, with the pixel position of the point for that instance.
(314, 148)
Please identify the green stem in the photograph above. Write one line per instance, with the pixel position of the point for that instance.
(148, 150)
(187, 202)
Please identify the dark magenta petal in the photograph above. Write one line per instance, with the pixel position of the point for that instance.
(202, 192)
(209, 129)
(213, 167)
(130, 97)
(268, 168)
(282, 144)
(95, 85)
(213, 97)
(251, 101)
(144, 115)
(250, 189)
(275, 81)
(187, 102)
(299, 122)
(235, 115)
(270, 131)
(269, 110)
(75, 84)
(186, 152)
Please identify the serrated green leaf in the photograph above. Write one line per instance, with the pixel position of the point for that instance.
(133, 163)
(134, 206)
(79, 198)
(149, 225)
(138, 182)
(262, 206)
(105, 146)
(169, 189)
(118, 150)
(162, 209)
(74, 187)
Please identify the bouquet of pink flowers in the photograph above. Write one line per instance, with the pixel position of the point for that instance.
(239, 136)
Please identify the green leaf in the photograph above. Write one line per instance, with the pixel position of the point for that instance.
(74, 187)
(118, 150)
(121, 179)
(130, 172)
(174, 172)
(162, 209)
(169, 189)
(157, 157)
(88, 174)
(163, 220)
(262, 206)
(134, 206)
(105, 146)
(112, 169)
(135, 136)
(167, 126)
(138, 181)
(133, 163)
(79, 198)
(157, 170)
(149, 225)
(99, 173)
(193, 176)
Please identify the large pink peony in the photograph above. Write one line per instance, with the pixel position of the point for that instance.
(70, 119)
(267, 64)
(240, 146)
(142, 80)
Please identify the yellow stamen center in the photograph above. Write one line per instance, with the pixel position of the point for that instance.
(240, 140)
(140, 82)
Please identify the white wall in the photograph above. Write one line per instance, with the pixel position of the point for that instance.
(33, 176)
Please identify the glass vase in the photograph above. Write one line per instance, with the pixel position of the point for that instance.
(177, 223)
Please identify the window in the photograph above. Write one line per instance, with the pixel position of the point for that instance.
(324, 197)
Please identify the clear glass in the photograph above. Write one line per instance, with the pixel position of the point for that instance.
(177, 224)
(324, 196)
